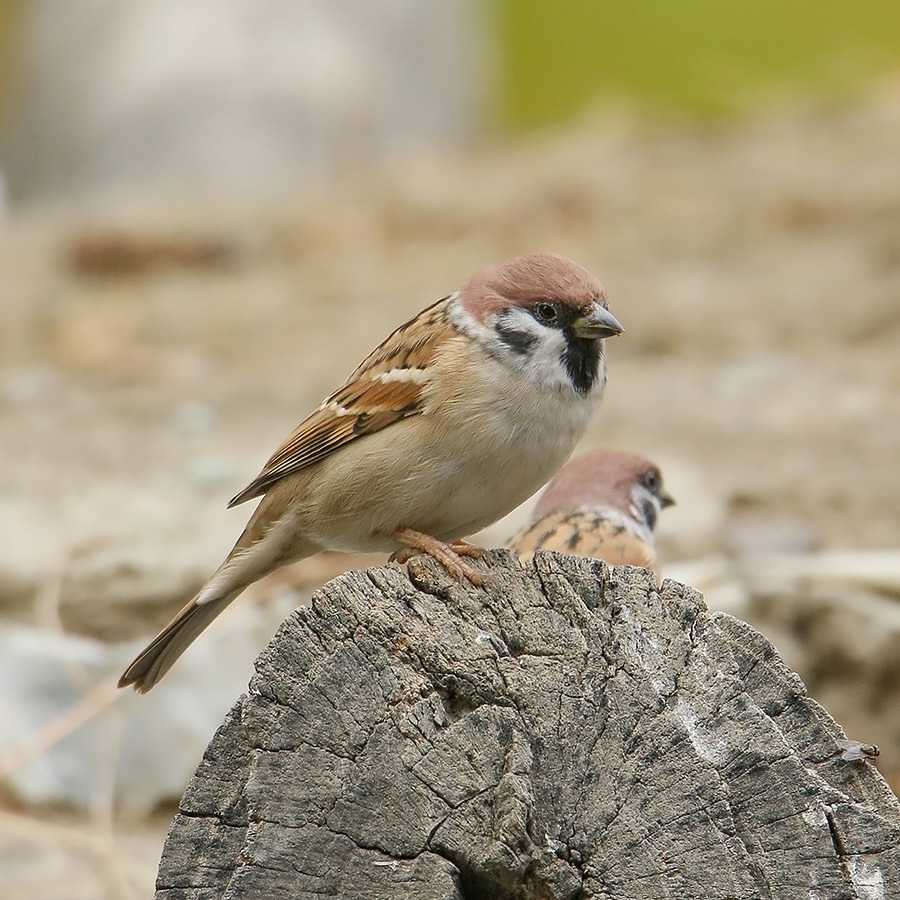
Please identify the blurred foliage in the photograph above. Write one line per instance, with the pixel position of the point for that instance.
(701, 56)
(10, 35)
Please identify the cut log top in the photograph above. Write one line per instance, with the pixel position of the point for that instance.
(576, 732)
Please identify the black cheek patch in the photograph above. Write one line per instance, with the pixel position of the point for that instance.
(648, 511)
(520, 342)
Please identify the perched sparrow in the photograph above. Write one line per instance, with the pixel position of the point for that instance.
(602, 504)
(450, 423)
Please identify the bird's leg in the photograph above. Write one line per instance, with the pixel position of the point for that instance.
(403, 555)
(448, 555)
(464, 548)
(459, 547)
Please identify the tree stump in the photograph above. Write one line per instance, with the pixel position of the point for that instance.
(574, 732)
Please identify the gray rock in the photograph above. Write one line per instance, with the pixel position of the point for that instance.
(141, 748)
(572, 733)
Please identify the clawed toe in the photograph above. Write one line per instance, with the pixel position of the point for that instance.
(464, 548)
(403, 555)
(450, 556)
(480, 579)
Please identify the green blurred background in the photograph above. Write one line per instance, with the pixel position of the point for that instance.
(505, 65)
(707, 57)
(699, 56)
(9, 34)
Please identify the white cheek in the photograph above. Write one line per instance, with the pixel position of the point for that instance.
(640, 496)
(543, 361)
(542, 364)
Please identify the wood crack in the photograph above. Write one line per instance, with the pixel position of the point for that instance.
(622, 751)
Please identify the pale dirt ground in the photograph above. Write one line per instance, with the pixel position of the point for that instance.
(755, 266)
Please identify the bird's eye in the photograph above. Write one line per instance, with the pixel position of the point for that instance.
(651, 480)
(546, 312)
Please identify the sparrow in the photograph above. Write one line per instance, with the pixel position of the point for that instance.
(603, 504)
(454, 420)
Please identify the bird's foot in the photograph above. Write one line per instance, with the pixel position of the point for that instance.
(464, 548)
(450, 556)
(403, 555)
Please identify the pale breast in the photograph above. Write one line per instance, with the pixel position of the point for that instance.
(493, 443)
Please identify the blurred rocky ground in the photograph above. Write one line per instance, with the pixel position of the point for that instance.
(155, 348)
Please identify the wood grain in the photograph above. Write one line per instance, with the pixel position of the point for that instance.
(577, 732)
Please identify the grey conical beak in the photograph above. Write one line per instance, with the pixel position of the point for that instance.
(598, 323)
(666, 499)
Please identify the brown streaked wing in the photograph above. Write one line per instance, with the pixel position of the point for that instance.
(362, 404)
(584, 533)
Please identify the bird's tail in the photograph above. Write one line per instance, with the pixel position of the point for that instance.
(161, 653)
(269, 541)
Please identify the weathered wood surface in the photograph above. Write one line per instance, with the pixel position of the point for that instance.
(576, 733)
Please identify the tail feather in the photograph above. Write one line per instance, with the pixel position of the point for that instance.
(162, 652)
(270, 540)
